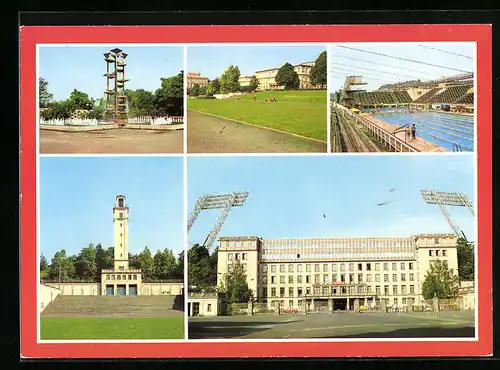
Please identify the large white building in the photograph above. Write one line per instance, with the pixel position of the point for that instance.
(341, 272)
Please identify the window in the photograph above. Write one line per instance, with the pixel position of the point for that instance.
(120, 224)
(282, 279)
(316, 278)
(290, 268)
(325, 267)
(334, 278)
(377, 267)
(107, 277)
(410, 266)
(436, 240)
(394, 277)
(360, 267)
(403, 289)
(308, 290)
(334, 267)
(342, 267)
(299, 292)
(394, 290)
(386, 266)
(444, 252)
(290, 279)
(135, 277)
(299, 268)
(118, 277)
(377, 290)
(245, 256)
(273, 279)
(403, 301)
(403, 277)
(396, 301)
(377, 277)
(402, 266)
(237, 256)
(316, 268)
(386, 289)
(368, 278)
(299, 279)
(290, 292)
(437, 252)
(209, 307)
(368, 267)
(264, 279)
(360, 278)
(282, 268)
(264, 268)
(264, 292)
(121, 234)
(124, 277)
(308, 268)
(430, 253)
(325, 278)
(308, 279)
(121, 215)
(412, 278)
(273, 292)
(386, 277)
(351, 267)
(121, 268)
(342, 278)
(273, 268)
(369, 289)
(412, 289)
(326, 290)
(244, 267)
(394, 266)
(120, 202)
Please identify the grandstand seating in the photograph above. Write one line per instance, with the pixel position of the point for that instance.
(428, 95)
(450, 95)
(78, 305)
(380, 97)
(466, 99)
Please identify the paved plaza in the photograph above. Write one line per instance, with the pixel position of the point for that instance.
(338, 325)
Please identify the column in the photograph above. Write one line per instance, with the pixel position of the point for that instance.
(250, 308)
(126, 289)
(312, 304)
(330, 305)
(356, 305)
(435, 304)
(304, 306)
(114, 290)
(277, 307)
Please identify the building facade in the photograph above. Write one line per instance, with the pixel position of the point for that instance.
(245, 80)
(343, 272)
(266, 77)
(195, 78)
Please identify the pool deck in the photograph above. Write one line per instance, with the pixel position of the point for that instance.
(418, 143)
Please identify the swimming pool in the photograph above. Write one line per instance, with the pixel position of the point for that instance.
(439, 128)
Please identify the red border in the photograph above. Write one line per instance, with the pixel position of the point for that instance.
(30, 36)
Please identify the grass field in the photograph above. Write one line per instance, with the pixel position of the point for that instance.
(298, 112)
(52, 328)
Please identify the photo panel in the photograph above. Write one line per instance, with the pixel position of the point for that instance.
(402, 97)
(111, 255)
(257, 99)
(333, 248)
(110, 99)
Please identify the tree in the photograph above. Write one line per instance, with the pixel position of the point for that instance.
(254, 83)
(58, 110)
(141, 102)
(287, 77)
(146, 262)
(235, 284)
(86, 263)
(61, 267)
(159, 264)
(216, 85)
(80, 100)
(44, 97)
(210, 90)
(229, 81)
(195, 90)
(439, 281)
(170, 264)
(134, 261)
(318, 71)
(103, 257)
(200, 272)
(179, 267)
(43, 263)
(169, 97)
(465, 253)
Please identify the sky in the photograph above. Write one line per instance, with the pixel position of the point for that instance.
(77, 195)
(212, 61)
(289, 195)
(69, 67)
(340, 66)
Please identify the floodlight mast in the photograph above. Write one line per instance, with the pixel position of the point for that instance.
(443, 199)
(216, 201)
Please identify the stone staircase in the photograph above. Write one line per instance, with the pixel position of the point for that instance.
(117, 306)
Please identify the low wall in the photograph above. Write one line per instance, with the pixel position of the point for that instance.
(162, 288)
(47, 294)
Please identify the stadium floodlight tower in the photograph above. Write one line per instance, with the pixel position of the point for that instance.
(216, 201)
(350, 82)
(116, 99)
(443, 199)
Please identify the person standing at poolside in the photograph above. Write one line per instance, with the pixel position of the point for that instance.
(408, 133)
(413, 132)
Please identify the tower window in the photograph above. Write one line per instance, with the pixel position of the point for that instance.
(120, 202)
(121, 215)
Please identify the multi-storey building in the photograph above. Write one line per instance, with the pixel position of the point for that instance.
(266, 77)
(245, 80)
(195, 78)
(343, 272)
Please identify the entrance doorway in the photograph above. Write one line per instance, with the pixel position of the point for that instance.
(110, 290)
(196, 308)
(351, 304)
(121, 290)
(132, 290)
(340, 304)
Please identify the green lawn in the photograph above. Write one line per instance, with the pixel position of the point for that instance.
(298, 112)
(111, 328)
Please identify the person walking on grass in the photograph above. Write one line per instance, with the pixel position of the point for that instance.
(413, 132)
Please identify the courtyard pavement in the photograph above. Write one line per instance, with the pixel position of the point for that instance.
(338, 325)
